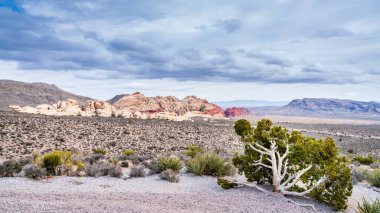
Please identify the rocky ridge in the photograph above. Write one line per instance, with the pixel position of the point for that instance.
(136, 105)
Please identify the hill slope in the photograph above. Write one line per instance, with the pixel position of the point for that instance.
(32, 94)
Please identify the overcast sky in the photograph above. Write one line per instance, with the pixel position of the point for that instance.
(217, 49)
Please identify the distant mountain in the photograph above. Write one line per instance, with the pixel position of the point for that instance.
(32, 94)
(248, 103)
(320, 107)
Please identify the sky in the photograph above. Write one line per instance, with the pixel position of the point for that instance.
(275, 50)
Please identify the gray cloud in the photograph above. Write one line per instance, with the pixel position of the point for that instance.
(151, 40)
(229, 25)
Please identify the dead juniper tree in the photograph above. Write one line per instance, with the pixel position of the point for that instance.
(291, 163)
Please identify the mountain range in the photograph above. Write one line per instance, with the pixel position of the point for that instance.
(50, 99)
(322, 107)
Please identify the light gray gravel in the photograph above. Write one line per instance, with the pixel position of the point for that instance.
(150, 194)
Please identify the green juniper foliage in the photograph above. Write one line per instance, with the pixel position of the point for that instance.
(322, 155)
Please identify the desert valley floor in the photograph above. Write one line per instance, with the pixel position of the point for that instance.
(22, 134)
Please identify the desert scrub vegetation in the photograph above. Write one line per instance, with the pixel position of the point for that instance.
(374, 177)
(366, 160)
(138, 171)
(369, 207)
(172, 163)
(99, 151)
(193, 150)
(209, 164)
(52, 161)
(128, 152)
(103, 169)
(10, 167)
(293, 164)
(170, 176)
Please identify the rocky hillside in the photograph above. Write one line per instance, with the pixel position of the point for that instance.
(319, 107)
(32, 94)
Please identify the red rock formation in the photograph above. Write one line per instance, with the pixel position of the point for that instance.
(236, 111)
(137, 102)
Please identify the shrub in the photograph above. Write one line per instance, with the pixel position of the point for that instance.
(80, 165)
(99, 151)
(94, 158)
(138, 171)
(34, 172)
(209, 164)
(172, 163)
(128, 152)
(193, 150)
(358, 175)
(368, 207)
(225, 184)
(170, 176)
(366, 160)
(374, 177)
(124, 164)
(52, 161)
(153, 167)
(103, 169)
(9, 168)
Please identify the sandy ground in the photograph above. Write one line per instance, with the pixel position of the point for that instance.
(150, 194)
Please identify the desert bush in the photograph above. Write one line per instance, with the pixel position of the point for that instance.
(124, 164)
(366, 160)
(209, 164)
(9, 168)
(33, 171)
(368, 207)
(80, 165)
(358, 175)
(152, 166)
(94, 158)
(321, 173)
(170, 176)
(128, 152)
(374, 177)
(172, 163)
(52, 161)
(193, 150)
(99, 151)
(138, 171)
(225, 184)
(103, 169)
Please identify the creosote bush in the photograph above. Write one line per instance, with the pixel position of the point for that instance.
(209, 164)
(366, 160)
(138, 171)
(99, 151)
(52, 161)
(170, 176)
(128, 152)
(374, 177)
(34, 172)
(103, 169)
(9, 168)
(368, 207)
(172, 163)
(193, 150)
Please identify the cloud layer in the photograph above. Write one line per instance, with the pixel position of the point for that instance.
(261, 42)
